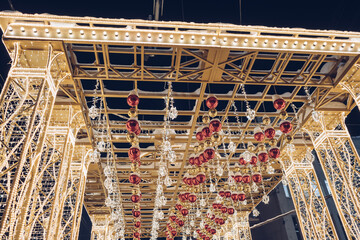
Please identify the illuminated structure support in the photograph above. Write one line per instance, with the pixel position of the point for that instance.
(244, 228)
(341, 164)
(311, 209)
(100, 228)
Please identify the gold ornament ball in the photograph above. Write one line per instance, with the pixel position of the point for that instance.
(288, 139)
(132, 112)
(283, 115)
(261, 147)
(196, 149)
(201, 146)
(215, 137)
(273, 142)
(207, 143)
(212, 112)
(251, 147)
(206, 119)
(131, 137)
(266, 120)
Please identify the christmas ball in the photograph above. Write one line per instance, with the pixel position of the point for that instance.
(223, 209)
(212, 102)
(241, 197)
(133, 100)
(279, 103)
(221, 221)
(199, 136)
(286, 127)
(135, 198)
(215, 137)
(173, 233)
(230, 211)
(246, 179)
(184, 212)
(206, 132)
(189, 181)
(136, 213)
(132, 112)
(192, 198)
(135, 178)
(234, 197)
(195, 182)
(137, 224)
(222, 193)
(242, 161)
(209, 153)
(215, 205)
(274, 152)
(138, 131)
(266, 120)
(184, 180)
(197, 161)
(256, 178)
(259, 136)
(206, 119)
(253, 160)
(238, 178)
(227, 194)
(263, 156)
(201, 177)
(192, 160)
(202, 158)
(186, 196)
(180, 223)
(136, 234)
(132, 125)
(215, 125)
(173, 218)
(213, 231)
(178, 207)
(212, 112)
(270, 132)
(134, 154)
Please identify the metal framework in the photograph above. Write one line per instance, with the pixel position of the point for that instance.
(46, 133)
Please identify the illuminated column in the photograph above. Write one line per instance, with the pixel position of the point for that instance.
(310, 205)
(341, 164)
(238, 227)
(101, 228)
(243, 227)
(27, 101)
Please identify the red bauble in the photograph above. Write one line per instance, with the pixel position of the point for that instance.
(192, 160)
(221, 221)
(134, 178)
(132, 125)
(186, 196)
(215, 205)
(136, 234)
(192, 198)
(216, 220)
(227, 194)
(206, 132)
(206, 226)
(136, 213)
(201, 177)
(224, 209)
(242, 161)
(259, 136)
(256, 178)
(181, 197)
(246, 179)
(238, 178)
(274, 152)
(197, 161)
(209, 153)
(241, 197)
(212, 217)
(222, 194)
(184, 212)
(200, 136)
(172, 218)
(138, 131)
(215, 125)
(286, 127)
(135, 198)
(234, 197)
(189, 181)
(270, 132)
(207, 238)
(212, 102)
(253, 160)
(230, 211)
(137, 224)
(134, 154)
(180, 223)
(195, 181)
(279, 104)
(202, 159)
(178, 207)
(173, 233)
(133, 100)
(263, 156)
(213, 231)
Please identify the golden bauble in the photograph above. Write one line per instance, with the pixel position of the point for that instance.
(266, 120)
(237, 169)
(135, 191)
(233, 188)
(251, 147)
(196, 149)
(201, 146)
(131, 137)
(215, 137)
(212, 112)
(134, 167)
(247, 188)
(132, 112)
(207, 143)
(283, 114)
(206, 119)
(240, 188)
(273, 142)
(261, 147)
(256, 169)
(288, 139)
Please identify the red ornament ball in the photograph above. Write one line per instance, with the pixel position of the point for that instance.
(184, 212)
(259, 136)
(224, 209)
(279, 104)
(242, 161)
(286, 127)
(230, 211)
(180, 223)
(246, 179)
(137, 224)
(206, 132)
(222, 193)
(241, 197)
(238, 178)
(136, 213)
(253, 160)
(134, 154)
(173, 233)
(202, 158)
(212, 102)
(199, 136)
(274, 152)
(132, 125)
(195, 181)
(133, 100)
(135, 198)
(197, 161)
(256, 178)
(192, 198)
(227, 194)
(234, 197)
(221, 221)
(173, 218)
(136, 234)
(201, 177)
(270, 132)
(135, 179)
(209, 153)
(215, 125)
(186, 196)
(178, 207)
(263, 156)
(192, 160)
(138, 131)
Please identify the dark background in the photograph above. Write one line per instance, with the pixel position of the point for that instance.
(312, 14)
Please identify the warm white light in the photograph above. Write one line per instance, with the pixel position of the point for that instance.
(160, 36)
(34, 30)
(93, 33)
(182, 37)
(127, 35)
(138, 35)
(193, 37)
(246, 40)
(286, 42)
(334, 45)
(22, 29)
(116, 34)
(352, 45)
(149, 35)
(171, 36)
(82, 32)
(105, 33)
(276, 42)
(266, 41)
(10, 28)
(296, 43)
(47, 31)
(214, 38)
(58, 31)
(70, 31)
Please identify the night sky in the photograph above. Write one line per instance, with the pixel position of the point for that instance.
(312, 14)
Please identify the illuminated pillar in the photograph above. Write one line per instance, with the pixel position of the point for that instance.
(341, 164)
(27, 101)
(310, 205)
(101, 229)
